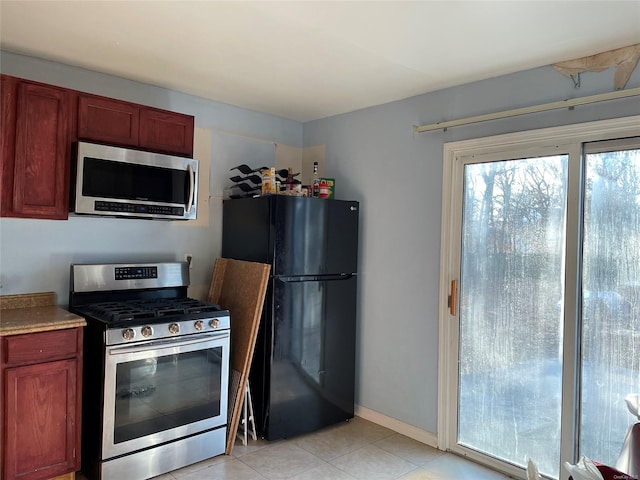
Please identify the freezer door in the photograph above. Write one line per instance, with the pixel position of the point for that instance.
(312, 373)
(314, 236)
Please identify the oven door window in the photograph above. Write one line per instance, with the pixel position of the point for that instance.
(159, 394)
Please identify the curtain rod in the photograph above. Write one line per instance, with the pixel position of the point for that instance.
(632, 92)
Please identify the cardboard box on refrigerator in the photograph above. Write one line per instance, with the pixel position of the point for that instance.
(331, 182)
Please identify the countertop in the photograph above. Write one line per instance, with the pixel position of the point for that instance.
(34, 312)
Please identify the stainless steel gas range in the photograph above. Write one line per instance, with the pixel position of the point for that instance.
(156, 370)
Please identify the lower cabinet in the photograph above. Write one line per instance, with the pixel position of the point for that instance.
(41, 376)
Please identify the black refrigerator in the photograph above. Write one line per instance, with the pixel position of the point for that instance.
(302, 375)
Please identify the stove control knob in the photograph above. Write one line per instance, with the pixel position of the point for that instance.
(174, 328)
(214, 323)
(146, 331)
(128, 333)
(199, 325)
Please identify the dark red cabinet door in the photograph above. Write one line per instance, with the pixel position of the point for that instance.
(108, 120)
(36, 141)
(166, 132)
(40, 431)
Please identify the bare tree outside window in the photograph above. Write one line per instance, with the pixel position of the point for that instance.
(610, 301)
(510, 312)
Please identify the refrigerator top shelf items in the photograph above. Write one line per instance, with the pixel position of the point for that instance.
(249, 184)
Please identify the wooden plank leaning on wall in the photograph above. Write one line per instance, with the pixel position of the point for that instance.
(240, 287)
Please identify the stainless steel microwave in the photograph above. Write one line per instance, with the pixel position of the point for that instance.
(122, 182)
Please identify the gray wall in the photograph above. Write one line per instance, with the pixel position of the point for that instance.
(375, 157)
(397, 175)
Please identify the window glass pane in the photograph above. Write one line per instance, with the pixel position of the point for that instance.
(510, 361)
(610, 301)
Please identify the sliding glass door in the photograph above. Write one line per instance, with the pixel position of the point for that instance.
(610, 340)
(510, 357)
(542, 322)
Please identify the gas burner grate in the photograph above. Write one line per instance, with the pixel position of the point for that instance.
(144, 309)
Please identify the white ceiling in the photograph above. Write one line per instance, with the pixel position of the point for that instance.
(306, 60)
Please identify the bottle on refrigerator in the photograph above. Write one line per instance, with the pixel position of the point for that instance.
(290, 182)
(315, 188)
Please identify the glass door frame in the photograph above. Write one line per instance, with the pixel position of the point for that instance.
(556, 140)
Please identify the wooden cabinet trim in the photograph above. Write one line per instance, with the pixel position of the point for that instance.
(8, 87)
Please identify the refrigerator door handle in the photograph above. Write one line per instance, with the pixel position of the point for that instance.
(314, 278)
(345, 276)
(339, 276)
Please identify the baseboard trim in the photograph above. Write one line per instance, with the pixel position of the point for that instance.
(410, 431)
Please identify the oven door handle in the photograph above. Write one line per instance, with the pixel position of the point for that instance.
(159, 345)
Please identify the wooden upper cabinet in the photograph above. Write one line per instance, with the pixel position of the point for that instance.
(40, 122)
(37, 132)
(108, 120)
(165, 131)
(116, 122)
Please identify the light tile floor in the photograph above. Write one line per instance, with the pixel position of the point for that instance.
(358, 449)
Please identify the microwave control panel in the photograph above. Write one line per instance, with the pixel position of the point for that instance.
(138, 208)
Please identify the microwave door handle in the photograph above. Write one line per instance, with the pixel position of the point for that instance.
(192, 187)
